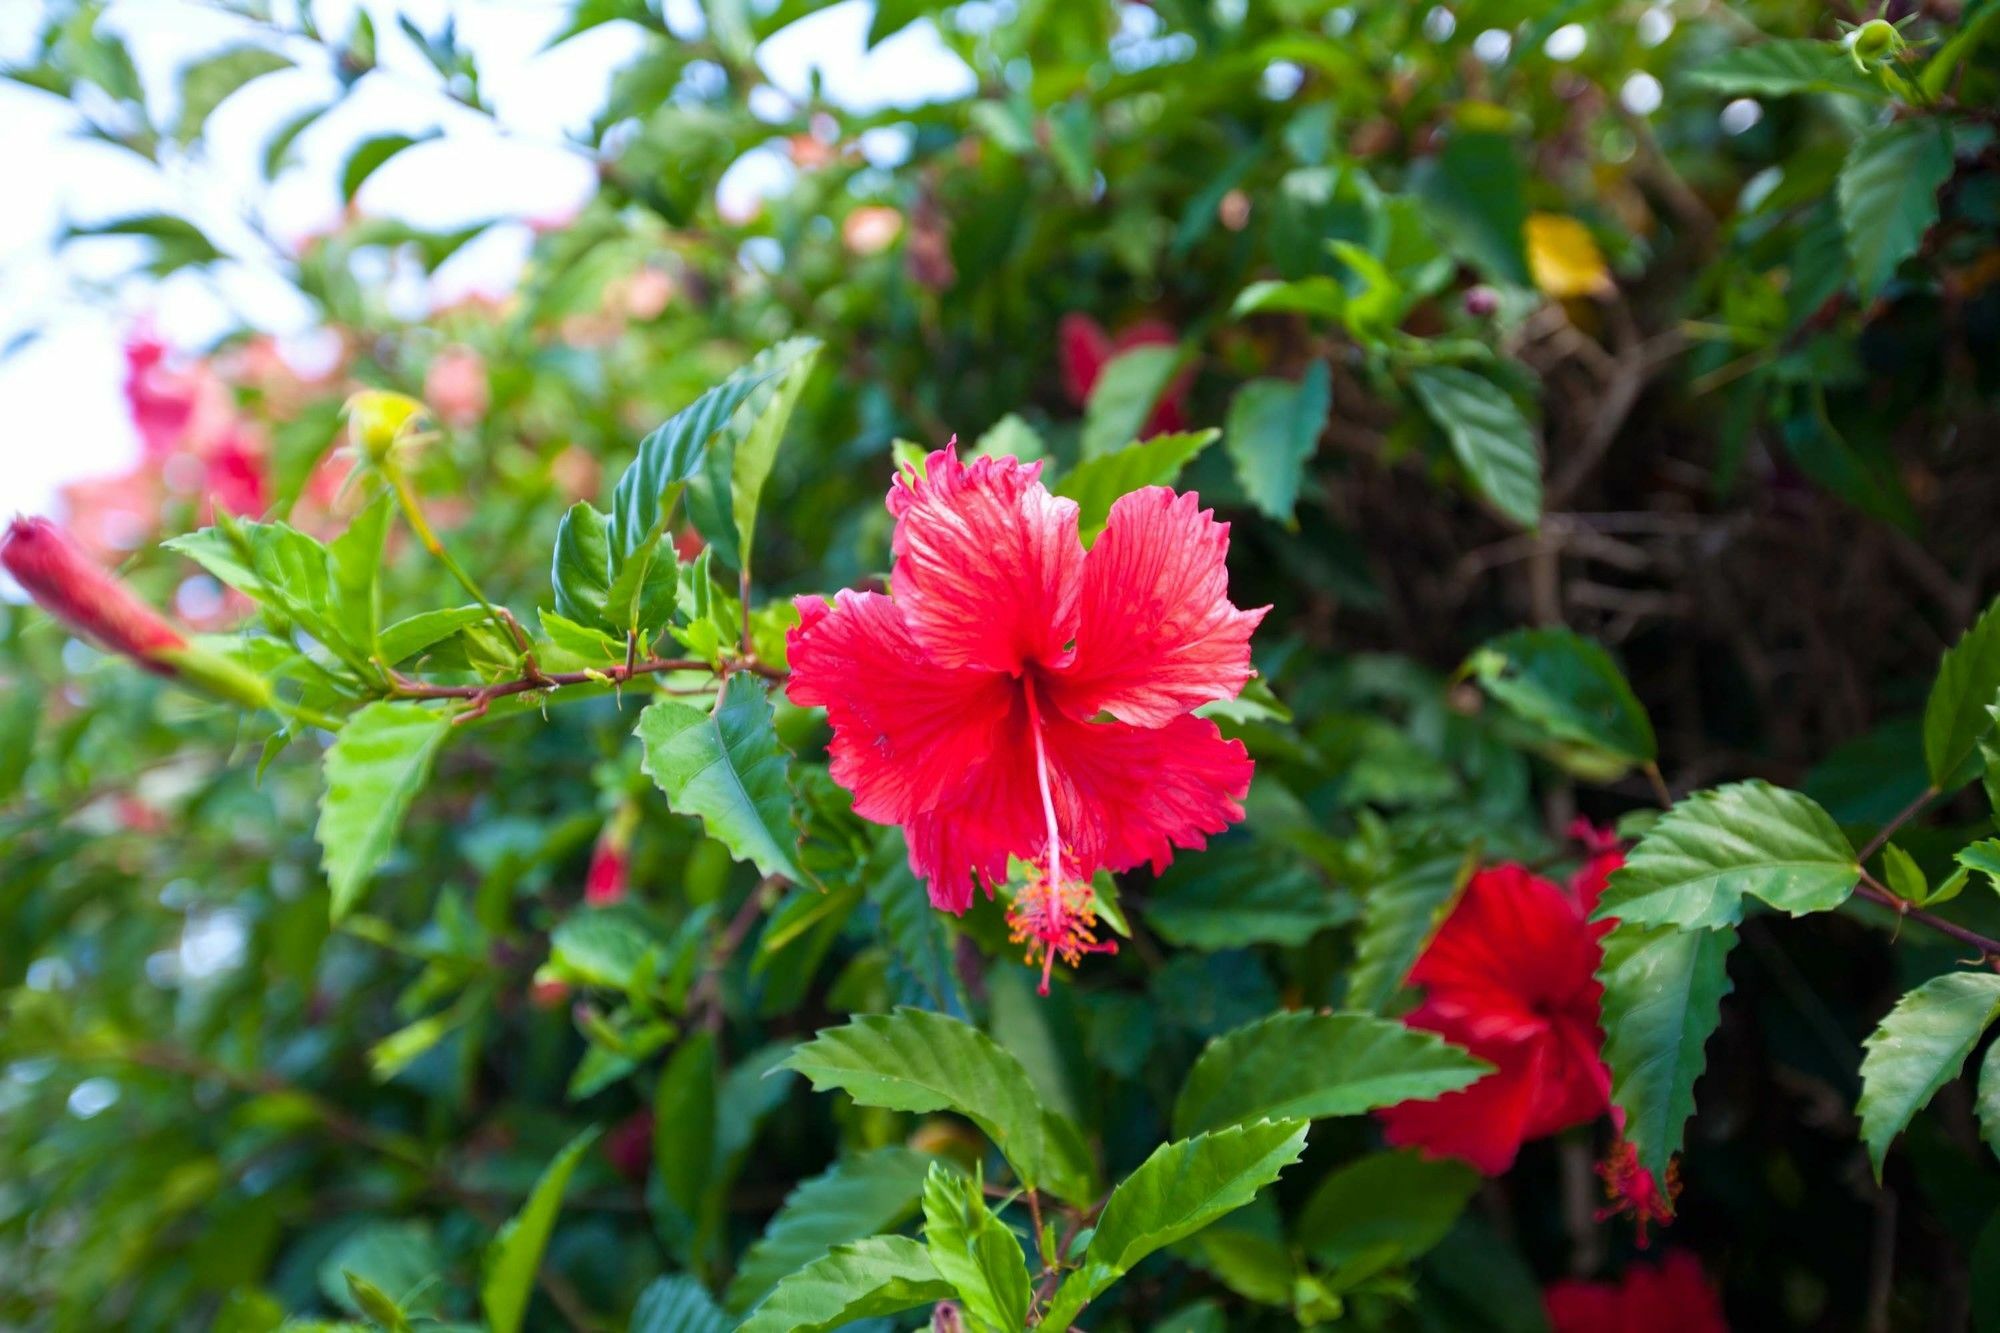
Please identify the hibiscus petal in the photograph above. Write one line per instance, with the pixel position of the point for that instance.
(987, 563)
(1517, 942)
(1156, 634)
(906, 734)
(1127, 794)
(1483, 1124)
(997, 814)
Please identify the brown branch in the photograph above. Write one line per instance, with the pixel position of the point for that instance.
(1874, 892)
(481, 696)
(1903, 816)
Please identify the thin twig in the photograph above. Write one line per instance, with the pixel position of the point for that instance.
(1903, 816)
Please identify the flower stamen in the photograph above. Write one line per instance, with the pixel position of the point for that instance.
(1052, 913)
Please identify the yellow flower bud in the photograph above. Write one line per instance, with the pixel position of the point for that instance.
(378, 420)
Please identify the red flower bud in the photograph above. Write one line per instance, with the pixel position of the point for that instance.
(73, 588)
(604, 882)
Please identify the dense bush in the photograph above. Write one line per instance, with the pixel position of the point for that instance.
(450, 881)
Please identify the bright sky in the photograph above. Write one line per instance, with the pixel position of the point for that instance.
(60, 395)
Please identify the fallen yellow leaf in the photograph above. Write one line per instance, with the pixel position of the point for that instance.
(1564, 258)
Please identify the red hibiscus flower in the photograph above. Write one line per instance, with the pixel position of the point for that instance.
(1086, 349)
(1510, 977)
(1675, 1297)
(966, 704)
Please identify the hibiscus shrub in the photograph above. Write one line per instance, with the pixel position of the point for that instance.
(1293, 665)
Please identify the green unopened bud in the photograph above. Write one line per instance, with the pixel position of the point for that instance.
(378, 420)
(1874, 41)
(220, 676)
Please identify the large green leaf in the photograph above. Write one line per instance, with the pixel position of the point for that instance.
(1272, 431)
(1957, 714)
(1124, 395)
(1888, 195)
(354, 567)
(975, 1252)
(1475, 194)
(1781, 68)
(1663, 990)
(374, 770)
(1181, 1188)
(1387, 1208)
(1567, 686)
(1096, 483)
(1399, 915)
(685, 1125)
(877, 1276)
(208, 81)
(750, 446)
(516, 1253)
(677, 1305)
(852, 1199)
(1988, 1099)
(728, 767)
(912, 1060)
(1495, 444)
(1309, 1065)
(279, 568)
(1920, 1047)
(1696, 865)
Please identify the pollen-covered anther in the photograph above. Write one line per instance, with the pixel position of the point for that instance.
(1630, 1188)
(1055, 920)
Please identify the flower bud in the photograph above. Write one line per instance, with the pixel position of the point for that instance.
(69, 585)
(1874, 39)
(377, 421)
(1481, 302)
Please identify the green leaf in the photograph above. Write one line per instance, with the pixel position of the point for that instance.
(370, 155)
(757, 430)
(1888, 195)
(1317, 295)
(670, 458)
(852, 1199)
(1096, 483)
(1272, 431)
(877, 1276)
(684, 1125)
(728, 767)
(1983, 856)
(1694, 868)
(1567, 686)
(374, 770)
(1124, 396)
(1385, 1209)
(1987, 1100)
(411, 635)
(582, 573)
(647, 591)
(975, 1252)
(1495, 444)
(1011, 437)
(279, 568)
(1957, 715)
(1399, 915)
(376, 1304)
(1905, 877)
(516, 1253)
(206, 83)
(1782, 68)
(1920, 1047)
(1475, 194)
(398, 1259)
(278, 148)
(677, 1305)
(1310, 1065)
(1241, 893)
(1663, 990)
(911, 1060)
(354, 561)
(1181, 1188)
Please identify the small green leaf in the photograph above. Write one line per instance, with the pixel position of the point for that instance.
(1567, 686)
(413, 634)
(582, 573)
(757, 430)
(1782, 68)
(1888, 195)
(1011, 437)
(1317, 295)
(374, 770)
(878, 1276)
(1987, 1100)
(1906, 878)
(206, 83)
(1124, 396)
(1181, 1188)
(911, 1060)
(728, 767)
(1694, 868)
(1475, 194)
(1495, 444)
(975, 1252)
(1096, 483)
(1400, 914)
(1983, 856)
(278, 148)
(1240, 893)
(1272, 432)
(1310, 1065)
(684, 1126)
(370, 155)
(1958, 713)
(1385, 1209)
(376, 1305)
(354, 562)
(1663, 990)
(1920, 1047)
(516, 1253)
(854, 1198)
